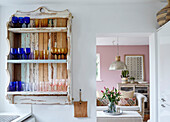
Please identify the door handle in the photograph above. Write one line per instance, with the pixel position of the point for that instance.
(163, 105)
(163, 100)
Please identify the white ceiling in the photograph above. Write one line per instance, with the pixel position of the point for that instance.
(27, 2)
(122, 40)
(163, 0)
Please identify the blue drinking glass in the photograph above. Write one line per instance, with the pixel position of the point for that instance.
(23, 87)
(15, 21)
(27, 21)
(14, 53)
(12, 86)
(21, 53)
(21, 21)
(27, 52)
(18, 85)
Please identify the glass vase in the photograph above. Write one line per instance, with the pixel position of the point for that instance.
(111, 107)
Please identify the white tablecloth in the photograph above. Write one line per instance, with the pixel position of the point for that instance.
(127, 116)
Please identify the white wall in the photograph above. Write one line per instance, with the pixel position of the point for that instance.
(89, 19)
(163, 73)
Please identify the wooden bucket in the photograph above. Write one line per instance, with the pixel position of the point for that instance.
(163, 16)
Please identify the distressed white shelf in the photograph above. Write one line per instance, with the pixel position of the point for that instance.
(35, 30)
(36, 93)
(41, 70)
(36, 61)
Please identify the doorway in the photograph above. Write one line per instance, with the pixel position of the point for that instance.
(130, 46)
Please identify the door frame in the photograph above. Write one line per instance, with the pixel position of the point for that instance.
(153, 57)
(153, 72)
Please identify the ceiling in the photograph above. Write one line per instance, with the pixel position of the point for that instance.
(27, 2)
(163, 0)
(122, 40)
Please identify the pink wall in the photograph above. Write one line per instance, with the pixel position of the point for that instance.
(107, 56)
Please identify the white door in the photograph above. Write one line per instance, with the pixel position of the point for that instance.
(164, 73)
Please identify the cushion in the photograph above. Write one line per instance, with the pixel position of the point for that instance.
(127, 94)
(127, 102)
(99, 94)
(102, 102)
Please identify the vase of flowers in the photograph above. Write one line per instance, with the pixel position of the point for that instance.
(113, 96)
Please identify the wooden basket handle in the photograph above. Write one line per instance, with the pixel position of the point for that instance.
(80, 95)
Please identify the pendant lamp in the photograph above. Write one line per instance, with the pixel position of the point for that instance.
(118, 64)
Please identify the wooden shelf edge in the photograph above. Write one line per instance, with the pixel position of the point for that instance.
(39, 98)
(34, 30)
(36, 61)
(37, 93)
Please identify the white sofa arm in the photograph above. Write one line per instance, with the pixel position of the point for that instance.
(141, 99)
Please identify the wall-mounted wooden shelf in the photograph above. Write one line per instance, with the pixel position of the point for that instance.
(36, 61)
(38, 30)
(55, 33)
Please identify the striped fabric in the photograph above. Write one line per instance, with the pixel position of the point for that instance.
(127, 102)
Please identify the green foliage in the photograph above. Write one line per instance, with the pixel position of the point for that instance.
(132, 78)
(125, 74)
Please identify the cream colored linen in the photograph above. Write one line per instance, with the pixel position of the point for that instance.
(127, 94)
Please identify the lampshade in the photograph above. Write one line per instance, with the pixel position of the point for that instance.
(118, 65)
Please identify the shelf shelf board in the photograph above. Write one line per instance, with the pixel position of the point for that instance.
(34, 30)
(36, 93)
(36, 61)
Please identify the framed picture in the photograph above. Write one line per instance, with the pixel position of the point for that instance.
(135, 65)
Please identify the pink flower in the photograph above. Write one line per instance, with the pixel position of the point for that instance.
(105, 88)
(102, 91)
(113, 88)
(119, 92)
(109, 92)
(111, 95)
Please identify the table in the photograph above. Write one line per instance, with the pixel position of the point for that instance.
(127, 116)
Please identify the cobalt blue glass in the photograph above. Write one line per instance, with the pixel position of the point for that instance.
(21, 21)
(27, 52)
(14, 21)
(27, 21)
(21, 53)
(12, 86)
(23, 86)
(14, 53)
(18, 85)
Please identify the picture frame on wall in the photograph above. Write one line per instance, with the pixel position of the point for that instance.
(135, 65)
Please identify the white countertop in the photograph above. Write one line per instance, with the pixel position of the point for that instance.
(126, 114)
(22, 116)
